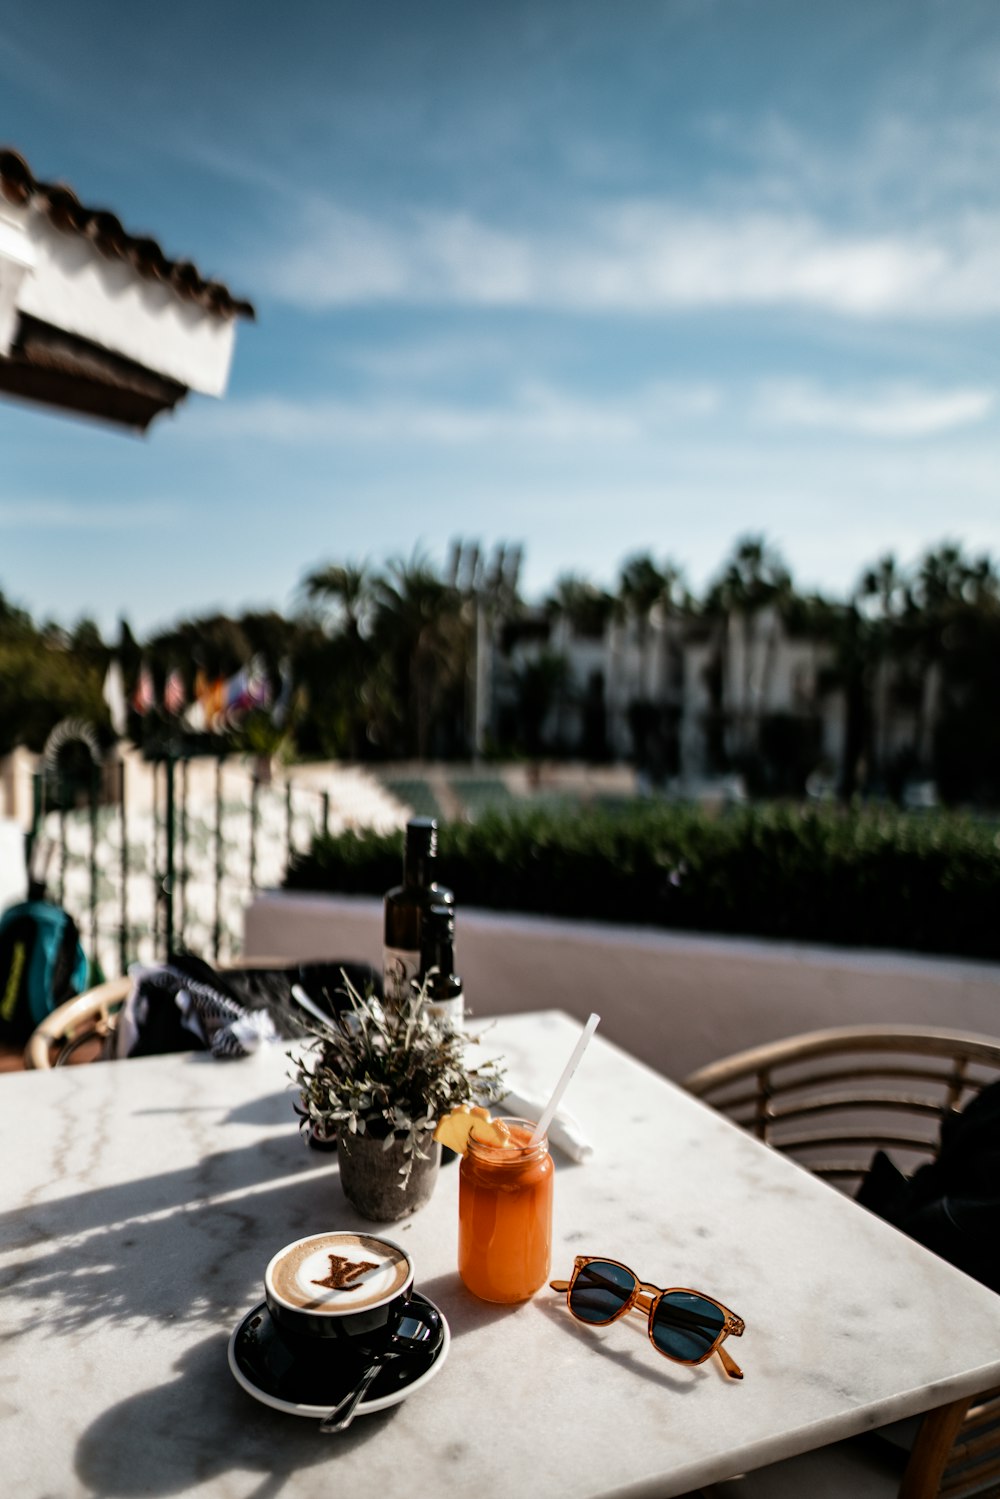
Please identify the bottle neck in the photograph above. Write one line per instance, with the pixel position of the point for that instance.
(439, 953)
(419, 849)
(418, 867)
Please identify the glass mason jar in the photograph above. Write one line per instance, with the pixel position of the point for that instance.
(505, 1215)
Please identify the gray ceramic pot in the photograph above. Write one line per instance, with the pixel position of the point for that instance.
(369, 1175)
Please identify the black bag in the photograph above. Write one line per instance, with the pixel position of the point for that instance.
(951, 1205)
(41, 965)
(160, 1026)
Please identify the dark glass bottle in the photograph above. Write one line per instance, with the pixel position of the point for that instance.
(437, 967)
(445, 1000)
(406, 905)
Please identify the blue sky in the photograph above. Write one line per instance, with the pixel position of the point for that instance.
(592, 277)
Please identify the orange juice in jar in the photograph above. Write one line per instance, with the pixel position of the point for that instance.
(505, 1214)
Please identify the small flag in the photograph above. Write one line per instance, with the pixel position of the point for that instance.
(210, 693)
(143, 697)
(174, 695)
(234, 692)
(194, 718)
(258, 683)
(248, 688)
(114, 696)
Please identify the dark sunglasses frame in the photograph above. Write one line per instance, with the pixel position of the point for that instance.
(645, 1298)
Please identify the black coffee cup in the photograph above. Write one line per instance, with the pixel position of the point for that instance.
(342, 1287)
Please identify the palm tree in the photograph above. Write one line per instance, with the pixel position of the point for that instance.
(585, 608)
(754, 580)
(959, 636)
(954, 601)
(347, 589)
(882, 597)
(883, 588)
(647, 591)
(541, 685)
(641, 586)
(342, 668)
(982, 583)
(489, 590)
(941, 578)
(420, 624)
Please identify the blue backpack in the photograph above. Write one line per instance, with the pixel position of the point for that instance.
(41, 965)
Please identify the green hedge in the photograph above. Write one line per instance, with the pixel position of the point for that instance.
(868, 879)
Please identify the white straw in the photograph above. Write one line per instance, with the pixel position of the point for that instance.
(563, 1082)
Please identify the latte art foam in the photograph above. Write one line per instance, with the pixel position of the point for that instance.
(338, 1273)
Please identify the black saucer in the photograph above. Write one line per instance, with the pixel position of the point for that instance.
(263, 1363)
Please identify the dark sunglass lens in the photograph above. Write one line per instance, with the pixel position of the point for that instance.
(685, 1326)
(600, 1291)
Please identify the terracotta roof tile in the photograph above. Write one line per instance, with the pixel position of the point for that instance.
(64, 211)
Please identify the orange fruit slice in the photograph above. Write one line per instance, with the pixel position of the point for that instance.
(453, 1129)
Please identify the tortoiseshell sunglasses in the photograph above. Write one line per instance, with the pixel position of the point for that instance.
(683, 1325)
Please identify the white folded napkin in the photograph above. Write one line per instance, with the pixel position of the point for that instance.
(565, 1132)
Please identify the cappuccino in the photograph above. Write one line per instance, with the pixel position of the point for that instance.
(338, 1274)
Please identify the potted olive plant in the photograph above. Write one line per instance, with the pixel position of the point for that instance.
(379, 1076)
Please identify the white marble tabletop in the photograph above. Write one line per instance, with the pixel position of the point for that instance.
(142, 1199)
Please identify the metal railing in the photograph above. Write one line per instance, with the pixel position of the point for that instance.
(174, 866)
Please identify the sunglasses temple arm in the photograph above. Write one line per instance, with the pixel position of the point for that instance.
(559, 1285)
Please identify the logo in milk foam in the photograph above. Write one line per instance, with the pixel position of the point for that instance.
(339, 1272)
(343, 1274)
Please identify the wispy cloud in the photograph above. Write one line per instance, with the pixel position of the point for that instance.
(344, 257)
(79, 515)
(445, 355)
(907, 165)
(537, 413)
(640, 256)
(890, 411)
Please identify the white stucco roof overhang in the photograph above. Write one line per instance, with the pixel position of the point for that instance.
(96, 320)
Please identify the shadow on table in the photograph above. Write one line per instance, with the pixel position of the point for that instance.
(642, 1360)
(172, 1246)
(466, 1313)
(159, 1441)
(272, 1108)
(627, 1344)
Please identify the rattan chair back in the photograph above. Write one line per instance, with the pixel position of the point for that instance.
(830, 1099)
(79, 1029)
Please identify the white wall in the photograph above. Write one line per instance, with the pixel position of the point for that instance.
(675, 1001)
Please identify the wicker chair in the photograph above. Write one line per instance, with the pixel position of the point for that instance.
(80, 1030)
(77, 1030)
(829, 1099)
